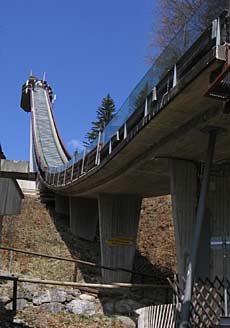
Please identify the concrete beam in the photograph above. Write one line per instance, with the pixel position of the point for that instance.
(18, 175)
(16, 170)
(14, 166)
(28, 187)
(118, 223)
(83, 217)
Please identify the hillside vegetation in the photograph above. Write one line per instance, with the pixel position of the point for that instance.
(39, 229)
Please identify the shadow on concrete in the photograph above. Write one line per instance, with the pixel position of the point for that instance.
(80, 249)
(152, 274)
(113, 300)
(127, 301)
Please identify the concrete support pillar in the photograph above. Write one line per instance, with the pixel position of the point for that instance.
(11, 197)
(184, 203)
(219, 209)
(118, 224)
(61, 204)
(185, 193)
(83, 217)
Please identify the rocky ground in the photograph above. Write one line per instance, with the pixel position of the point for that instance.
(59, 307)
(39, 229)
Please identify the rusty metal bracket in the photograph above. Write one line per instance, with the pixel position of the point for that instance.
(225, 70)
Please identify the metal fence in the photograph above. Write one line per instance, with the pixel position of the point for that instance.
(158, 316)
(208, 303)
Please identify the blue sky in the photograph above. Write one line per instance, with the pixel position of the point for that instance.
(87, 48)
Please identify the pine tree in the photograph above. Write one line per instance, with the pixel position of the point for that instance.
(140, 100)
(92, 135)
(105, 113)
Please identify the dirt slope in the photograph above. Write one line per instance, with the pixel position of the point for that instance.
(38, 229)
(156, 232)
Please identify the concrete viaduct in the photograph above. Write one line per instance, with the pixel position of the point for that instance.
(176, 141)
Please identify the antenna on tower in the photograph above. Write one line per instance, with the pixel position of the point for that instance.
(31, 73)
(44, 76)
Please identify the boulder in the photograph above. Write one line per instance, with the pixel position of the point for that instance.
(126, 306)
(48, 296)
(30, 287)
(70, 298)
(126, 321)
(24, 294)
(74, 292)
(109, 307)
(53, 307)
(87, 297)
(21, 304)
(41, 297)
(4, 299)
(81, 307)
(58, 296)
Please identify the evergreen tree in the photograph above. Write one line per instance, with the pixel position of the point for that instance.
(105, 113)
(92, 135)
(140, 100)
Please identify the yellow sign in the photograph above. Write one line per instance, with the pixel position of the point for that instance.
(120, 241)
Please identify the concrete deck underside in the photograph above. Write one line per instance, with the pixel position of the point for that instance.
(141, 165)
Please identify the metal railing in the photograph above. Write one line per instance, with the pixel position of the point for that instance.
(150, 96)
(86, 263)
(82, 286)
(15, 286)
(152, 103)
